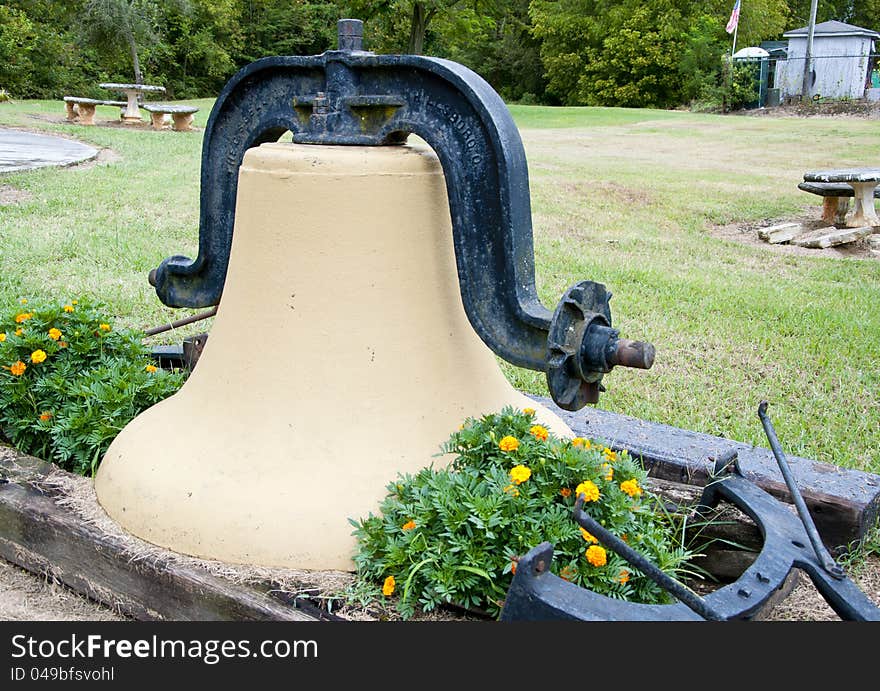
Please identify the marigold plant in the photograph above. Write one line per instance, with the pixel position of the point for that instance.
(505, 491)
(69, 381)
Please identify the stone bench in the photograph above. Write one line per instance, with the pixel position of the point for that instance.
(182, 116)
(83, 109)
(837, 196)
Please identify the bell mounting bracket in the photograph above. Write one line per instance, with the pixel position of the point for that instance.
(354, 97)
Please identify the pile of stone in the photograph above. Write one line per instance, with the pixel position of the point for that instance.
(819, 238)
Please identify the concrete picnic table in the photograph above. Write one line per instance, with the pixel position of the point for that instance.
(863, 182)
(132, 93)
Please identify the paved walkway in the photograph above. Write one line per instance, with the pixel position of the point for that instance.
(24, 150)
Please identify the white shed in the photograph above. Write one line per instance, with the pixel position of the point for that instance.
(841, 57)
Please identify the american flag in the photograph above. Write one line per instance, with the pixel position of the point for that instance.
(734, 18)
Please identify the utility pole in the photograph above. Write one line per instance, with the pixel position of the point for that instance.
(808, 56)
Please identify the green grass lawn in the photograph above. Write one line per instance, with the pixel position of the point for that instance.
(621, 196)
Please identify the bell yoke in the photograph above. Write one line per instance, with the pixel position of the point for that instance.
(353, 97)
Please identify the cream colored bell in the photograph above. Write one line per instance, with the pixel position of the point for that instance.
(340, 356)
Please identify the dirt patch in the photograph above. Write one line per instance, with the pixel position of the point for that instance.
(11, 195)
(27, 597)
(818, 109)
(747, 234)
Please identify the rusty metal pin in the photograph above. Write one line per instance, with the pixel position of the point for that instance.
(638, 354)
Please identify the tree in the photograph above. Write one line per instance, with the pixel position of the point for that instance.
(113, 24)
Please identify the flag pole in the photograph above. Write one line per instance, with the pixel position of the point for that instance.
(735, 29)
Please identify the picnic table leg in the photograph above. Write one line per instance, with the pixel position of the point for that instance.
(182, 121)
(71, 111)
(86, 113)
(132, 112)
(863, 213)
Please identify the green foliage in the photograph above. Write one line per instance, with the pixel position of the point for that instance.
(70, 381)
(454, 535)
(736, 87)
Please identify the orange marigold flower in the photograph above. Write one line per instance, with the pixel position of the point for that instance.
(588, 489)
(631, 487)
(510, 489)
(596, 555)
(529, 411)
(565, 492)
(409, 525)
(54, 334)
(17, 368)
(38, 356)
(151, 368)
(22, 317)
(623, 577)
(519, 474)
(388, 586)
(104, 327)
(508, 444)
(589, 537)
(513, 562)
(581, 442)
(19, 332)
(2, 337)
(538, 432)
(68, 308)
(45, 416)
(63, 344)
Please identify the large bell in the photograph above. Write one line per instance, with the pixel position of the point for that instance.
(341, 355)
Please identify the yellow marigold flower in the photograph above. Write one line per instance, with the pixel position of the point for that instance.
(508, 444)
(68, 308)
(609, 454)
(388, 586)
(631, 487)
(623, 577)
(23, 301)
(538, 432)
(510, 489)
(589, 537)
(54, 334)
(529, 411)
(74, 302)
(519, 474)
(596, 555)
(19, 332)
(104, 327)
(45, 416)
(2, 337)
(565, 492)
(581, 443)
(38, 356)
(151, 368)
(409, 525)
(609, 471)
(22, 317)
(17, 368)
(588, 489)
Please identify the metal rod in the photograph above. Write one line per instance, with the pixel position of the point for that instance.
(822, 553)
(180, 322)
(638, 561)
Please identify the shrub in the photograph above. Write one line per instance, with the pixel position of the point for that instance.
(70, 381)
(454, 535)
